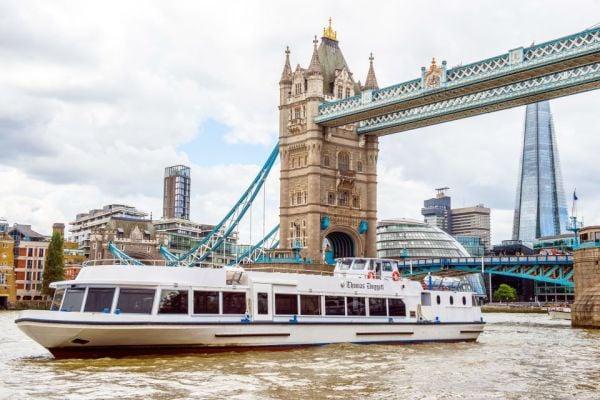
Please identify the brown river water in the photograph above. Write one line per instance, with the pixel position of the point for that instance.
(519, 356)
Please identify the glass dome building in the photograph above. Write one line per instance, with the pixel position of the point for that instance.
(408, 238)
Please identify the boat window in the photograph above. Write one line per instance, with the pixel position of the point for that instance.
(286, 304)
(206, 302)
(464, 301)
(426, 299)
(397, 308)
(73, 299)
(334, 305)
(451, 300)
(57, 299)
(344, 265)
(355, 305)
(377, 306)
(310, 305)
(387, 266)
(173, 302)
(135, 301)
(359, 264)
(263, 303)
(438, 299)
(99, 300)
(234, 302)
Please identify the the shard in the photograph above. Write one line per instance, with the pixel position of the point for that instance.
(540, 208)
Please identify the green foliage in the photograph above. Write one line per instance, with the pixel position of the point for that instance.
(54, 269)
(505, 293)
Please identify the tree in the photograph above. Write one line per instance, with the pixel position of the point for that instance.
(505, 293)
(54, 269)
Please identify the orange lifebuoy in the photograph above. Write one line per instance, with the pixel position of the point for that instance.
(371, 275)
(395, 275)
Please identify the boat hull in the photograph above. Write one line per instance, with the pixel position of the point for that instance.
(101, 339)
(557, 314)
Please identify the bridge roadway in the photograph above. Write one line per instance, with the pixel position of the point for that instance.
(550, 269)
(552, 69)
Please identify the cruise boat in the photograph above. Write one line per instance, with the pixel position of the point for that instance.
(560, 312)
(111, 310)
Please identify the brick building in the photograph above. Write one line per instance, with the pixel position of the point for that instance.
(30, 256)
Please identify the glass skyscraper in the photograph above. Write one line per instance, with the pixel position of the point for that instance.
(540, 208)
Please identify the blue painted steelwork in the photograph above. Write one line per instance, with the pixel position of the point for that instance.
(256, 251)
(550, 269)
(215, 239)
(121, 256)
(565, 54)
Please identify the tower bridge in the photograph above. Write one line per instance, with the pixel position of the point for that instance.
(329, 124)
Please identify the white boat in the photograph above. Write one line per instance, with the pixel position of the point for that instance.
(128, 309)
(560, 313)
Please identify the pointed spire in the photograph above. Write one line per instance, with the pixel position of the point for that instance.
(286, 75)
(371, 82)
(315, 65)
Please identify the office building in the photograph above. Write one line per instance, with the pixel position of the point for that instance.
(437, 211)
(81, 228)
(473, 244)
(176, 195)
(407, 238)
(472, 222)
(540, 208)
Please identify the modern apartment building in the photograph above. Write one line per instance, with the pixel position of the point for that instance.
(81, 229)
(472, 222)
(8, 293)
(30, 254)
(176, 195)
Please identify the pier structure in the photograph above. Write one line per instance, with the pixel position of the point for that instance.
(586, 308)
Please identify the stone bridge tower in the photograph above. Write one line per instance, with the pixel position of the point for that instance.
(328, 201)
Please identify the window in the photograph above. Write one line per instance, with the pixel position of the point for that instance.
(347, 92)
(425, 299)
(326, 160)
(387, 266)
(343, 198)
(286, 304)
(396, 308)
(451, 300)
(99, 299)
(173, 302)
(339, 92)
(359, 166)
(263, 303)
(73, 299)
(343, 161)
(330, 198)
(355, 202)
(30, 252)
(355, 305)
(377, 307)
(310, 305)
(206, 302)
(299, 198)
(57, 299)
(464, 299)
(359, 264)
(41, 252)
(298, 88)
(234, 303)
(297, 113)
(334, 305)
(438, 299)
(135, 301)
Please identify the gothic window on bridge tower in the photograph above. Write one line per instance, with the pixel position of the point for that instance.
(339, 92)
(331, 198)
(347, 92)
(343, 161)
(355, 202)
(298, 88)
(326, 161)
(359, 166)
(299, 198)
(343, 198)
(297, 114)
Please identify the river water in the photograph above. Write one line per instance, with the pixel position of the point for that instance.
(519, 356)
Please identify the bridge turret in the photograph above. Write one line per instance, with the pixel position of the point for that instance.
(285, 83)
(314, 74)
(371, 82)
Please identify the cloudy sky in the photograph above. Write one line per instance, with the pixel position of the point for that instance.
(96, 98)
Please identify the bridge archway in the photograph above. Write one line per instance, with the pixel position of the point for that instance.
(340, 244)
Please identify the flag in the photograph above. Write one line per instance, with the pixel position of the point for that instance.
(574, 195)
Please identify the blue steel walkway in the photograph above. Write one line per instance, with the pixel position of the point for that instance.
(550, 269)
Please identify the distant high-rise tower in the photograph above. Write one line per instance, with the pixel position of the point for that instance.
(176, 200)
(437, 210)
(540, 208)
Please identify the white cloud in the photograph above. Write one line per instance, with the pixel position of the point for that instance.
(96, 98)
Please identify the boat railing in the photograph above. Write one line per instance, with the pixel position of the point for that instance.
(287, 270)
(116, 261)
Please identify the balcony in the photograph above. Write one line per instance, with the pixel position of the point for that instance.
(296, 125)
(345, 179)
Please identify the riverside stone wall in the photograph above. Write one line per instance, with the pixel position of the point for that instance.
(586, 308)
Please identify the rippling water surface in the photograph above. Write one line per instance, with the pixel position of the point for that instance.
(519, 356)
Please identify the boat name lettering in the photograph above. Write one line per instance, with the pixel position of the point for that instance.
(368, 285)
